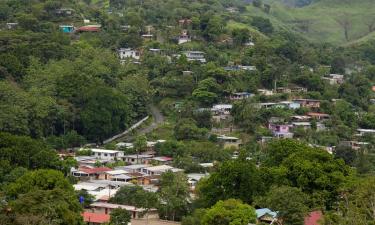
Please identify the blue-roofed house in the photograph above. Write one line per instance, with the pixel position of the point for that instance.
(67, 28)
(266, 215)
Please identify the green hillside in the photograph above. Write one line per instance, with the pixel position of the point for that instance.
(320, 21)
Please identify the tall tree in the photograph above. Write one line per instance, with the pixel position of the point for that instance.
(174, 195)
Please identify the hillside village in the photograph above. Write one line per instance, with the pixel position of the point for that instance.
(172, 112)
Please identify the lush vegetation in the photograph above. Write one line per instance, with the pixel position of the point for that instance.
(63, 90)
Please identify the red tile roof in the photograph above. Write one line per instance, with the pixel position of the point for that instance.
(88, 29)
(313, 218)
(95, 170)
(95, 217)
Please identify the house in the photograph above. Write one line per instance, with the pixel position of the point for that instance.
(133, 168)
(162, 160)
(304, 125)
(67, 28)
(222, 109)
(184, 22)
(148, 37)
(184, 37)
(318, 116)
(137, 159)
(355, 145)
(85, 172)
(298, 89)
(64, 12)
(124, 145)
(125, 27)
(229, 142)
(89, 28)
(98, 189)
(264, 139)
(291, 105)
(363, 132)
(193, 179)
(91, 218)
(284, 90)
(126, 53)
(280, 130)
(232, 9)
(248, 68)
(279, 127)
(11, 26)
(283, 135)
(112, 155)
(187, 72)
(106, 208)
(195, 56)
(308, 103)
(265, 92)
(158, 170)
(89, 161)
(269, 105)
(109, 175)
(301, 118)
(275, 119)
(313, 218)
(240, 95)
(266, 215)
(334, 79)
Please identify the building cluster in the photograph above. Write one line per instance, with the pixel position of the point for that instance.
(103, 182)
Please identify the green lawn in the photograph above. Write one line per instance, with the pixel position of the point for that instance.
(323, 18)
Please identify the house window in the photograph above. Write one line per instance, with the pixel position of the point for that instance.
(99, 154)
(105, 154)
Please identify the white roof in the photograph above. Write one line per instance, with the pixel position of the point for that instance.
(366, 130)
(139, 156)
(88, 186)
(196, 176)
(97, 150)
(122, 176)
(115, 206)
(205, 165)
(159, 168)
(301, 123)
(222, 106)
(223, 137)
(123, 144)
(134, 167)
(116, 172)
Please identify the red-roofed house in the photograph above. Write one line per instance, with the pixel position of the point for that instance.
(95, 172)
(313, 218)
(95, 218)
(89, 29)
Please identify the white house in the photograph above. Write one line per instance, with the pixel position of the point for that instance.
(222, 109)
(195, 56)
(125, 53)
(107, 154)
(157, 170)
(362, 132)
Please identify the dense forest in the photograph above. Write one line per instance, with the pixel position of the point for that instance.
(64, 85)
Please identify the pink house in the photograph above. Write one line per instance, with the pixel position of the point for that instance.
(283, 128)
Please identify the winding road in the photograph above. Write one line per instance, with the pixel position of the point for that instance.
(158, 119)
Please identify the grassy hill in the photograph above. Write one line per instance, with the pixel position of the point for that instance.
(321, 20)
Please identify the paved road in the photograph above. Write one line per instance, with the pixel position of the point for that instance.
(158, 119)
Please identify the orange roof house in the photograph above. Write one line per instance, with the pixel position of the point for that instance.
(95, 218)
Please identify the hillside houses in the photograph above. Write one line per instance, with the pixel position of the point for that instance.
(195, 56)
(184, 37)
(334, 79)
(126, 53)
